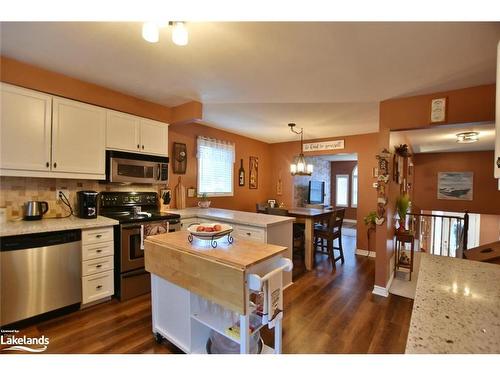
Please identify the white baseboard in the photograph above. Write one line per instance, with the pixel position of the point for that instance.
(350, 221)
(371, 254)
(383, 291)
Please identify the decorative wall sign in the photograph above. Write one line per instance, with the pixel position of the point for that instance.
(191, 192)
(324, 146)
(438, 110)
(383, 179)
(279, 184)
(180, 158)
(253, 181)
(455, 185)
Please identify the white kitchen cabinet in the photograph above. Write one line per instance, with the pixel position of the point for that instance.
(97, 265)
(154, 137)
(25, 129)
(130, 133)
(123, 132)
(78, 137)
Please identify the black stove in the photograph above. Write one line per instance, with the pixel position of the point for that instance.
(123, 206)
(139, 218)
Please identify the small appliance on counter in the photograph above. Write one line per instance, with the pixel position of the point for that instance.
(34, 210)
(86, 204)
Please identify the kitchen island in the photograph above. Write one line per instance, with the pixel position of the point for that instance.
(456, 307)
(197, 289)
(272, 229)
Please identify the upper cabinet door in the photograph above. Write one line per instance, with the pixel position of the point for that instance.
(154, 137)
(78, 137)
(25, 129)
(122, 132)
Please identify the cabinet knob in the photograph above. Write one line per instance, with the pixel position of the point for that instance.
(98, 251)
(47, 164)
(143, 147)
(98, 266)
(98, 235)
(55, 165)
(98, 287)
(498, 162)
(138, 146)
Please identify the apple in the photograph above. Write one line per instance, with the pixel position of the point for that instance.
(217, 227)
(200, 228)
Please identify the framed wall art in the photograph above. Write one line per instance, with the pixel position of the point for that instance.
(180, 158)
(438, 110)
(253, 181)
(455, 185)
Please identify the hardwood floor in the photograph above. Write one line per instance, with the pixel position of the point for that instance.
(325, 312)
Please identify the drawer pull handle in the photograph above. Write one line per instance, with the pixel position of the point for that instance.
(98, 287)
(249, 234)
(98, 266)
(98, 235)
(98, 251)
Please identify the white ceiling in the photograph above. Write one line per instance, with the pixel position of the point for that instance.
(444, 139)
(253, 78)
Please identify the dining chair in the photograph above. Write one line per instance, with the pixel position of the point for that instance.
(328, 233)
(298, 230)
(260, 208)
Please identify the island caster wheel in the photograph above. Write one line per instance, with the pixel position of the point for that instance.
(158, 338)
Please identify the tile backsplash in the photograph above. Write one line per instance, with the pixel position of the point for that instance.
(14, 191)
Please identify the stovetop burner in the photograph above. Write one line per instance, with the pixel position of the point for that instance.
(121, 206)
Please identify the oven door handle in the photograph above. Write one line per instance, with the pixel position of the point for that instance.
(158, 174)
(142, 237)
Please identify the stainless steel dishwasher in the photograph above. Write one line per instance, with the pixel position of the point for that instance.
(40, 272)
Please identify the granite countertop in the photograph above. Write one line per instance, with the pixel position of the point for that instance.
(237, 217)
(13, 228)
(456, 307)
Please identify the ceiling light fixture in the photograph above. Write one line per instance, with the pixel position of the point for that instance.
(299, 167)
(467, 137)
(180, 34)
(151, 32)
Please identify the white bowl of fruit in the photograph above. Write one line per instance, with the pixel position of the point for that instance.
(209, 230)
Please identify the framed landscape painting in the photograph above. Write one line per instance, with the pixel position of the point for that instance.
(455, 185)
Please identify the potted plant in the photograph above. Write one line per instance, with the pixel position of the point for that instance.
(402, 205)
(370, 222)
(204, 202)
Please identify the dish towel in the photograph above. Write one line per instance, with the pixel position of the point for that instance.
(273, 301)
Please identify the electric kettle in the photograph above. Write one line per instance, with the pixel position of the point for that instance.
(34, 210)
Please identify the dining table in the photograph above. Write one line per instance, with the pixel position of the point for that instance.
(309, 216)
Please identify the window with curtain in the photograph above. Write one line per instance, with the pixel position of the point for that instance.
(342, 190)
(354, 187)
(215, 167)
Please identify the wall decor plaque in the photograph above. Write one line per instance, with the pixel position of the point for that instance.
(180, 158)
(253, 181)
(323, 146)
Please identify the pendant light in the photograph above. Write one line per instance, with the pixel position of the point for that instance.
(300, 167)
(180, 34)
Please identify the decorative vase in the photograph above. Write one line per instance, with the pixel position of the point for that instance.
(401, 227)
(203, 204)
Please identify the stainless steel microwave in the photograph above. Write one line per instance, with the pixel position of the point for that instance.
(127, 167)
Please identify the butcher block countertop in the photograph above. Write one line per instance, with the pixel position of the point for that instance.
(456, 307)
(241, 253)
(218, 275)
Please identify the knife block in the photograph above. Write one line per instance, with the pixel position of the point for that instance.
(164, 206)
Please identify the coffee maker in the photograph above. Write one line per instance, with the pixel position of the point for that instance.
(86, 204)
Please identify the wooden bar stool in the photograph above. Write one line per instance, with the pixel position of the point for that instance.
(328, 233)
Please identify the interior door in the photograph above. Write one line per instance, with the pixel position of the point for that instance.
(122, 132)
(154, 137)
(78, 137)
(25, 129)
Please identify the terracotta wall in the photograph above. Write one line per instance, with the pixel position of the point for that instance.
(244, 198)
(365, 146)
(486, 196)
(489, 229)
(344, 167)
(472, 104)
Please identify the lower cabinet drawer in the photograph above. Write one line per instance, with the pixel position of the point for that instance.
(98, 250)
(250, 233)
(97, 286)
(98, 235)
(93, 266)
